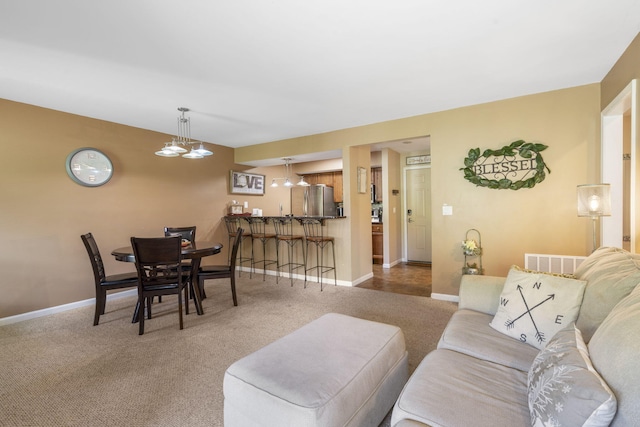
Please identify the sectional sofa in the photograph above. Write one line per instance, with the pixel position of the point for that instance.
(536, 349)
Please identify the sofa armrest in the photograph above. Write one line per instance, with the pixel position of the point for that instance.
(480, 293)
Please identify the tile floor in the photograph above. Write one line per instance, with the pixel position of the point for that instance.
(404, 278)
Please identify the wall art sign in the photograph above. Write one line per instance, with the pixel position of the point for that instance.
(246, 183)
(418, 160)
(514, 166)
(362, 180)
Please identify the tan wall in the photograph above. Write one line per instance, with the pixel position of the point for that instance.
(626, 69)
(542, 219)
(357, 233)
(392, 207)
(43, 214)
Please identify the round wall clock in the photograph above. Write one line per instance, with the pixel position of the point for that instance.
(89, 167)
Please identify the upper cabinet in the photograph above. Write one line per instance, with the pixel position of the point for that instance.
(337, 187)
(330, 179)
(376, 179)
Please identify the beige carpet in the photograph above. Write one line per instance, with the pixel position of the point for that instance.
(60, 370)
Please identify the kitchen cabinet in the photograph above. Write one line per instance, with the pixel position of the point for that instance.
(376, 179)
(337, 186)
(330, 179)
(325, 179)
(377, 244)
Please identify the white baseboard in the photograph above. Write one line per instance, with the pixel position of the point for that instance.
(326, 280)
(133, 292)
(361, 279)
(396, 262)
(446, 297)
(64, 307)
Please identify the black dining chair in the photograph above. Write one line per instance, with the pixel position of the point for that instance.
(159, 267)
(223, 271)
(103, 282)
(186, 233)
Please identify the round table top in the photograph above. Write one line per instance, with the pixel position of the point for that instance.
(197, 249)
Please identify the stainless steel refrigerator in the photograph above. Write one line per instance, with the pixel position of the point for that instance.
(314, 200)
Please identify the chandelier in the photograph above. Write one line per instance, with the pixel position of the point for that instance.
(183, 139)
(287, 172)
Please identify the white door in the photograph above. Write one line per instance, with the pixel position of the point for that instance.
(418, 214)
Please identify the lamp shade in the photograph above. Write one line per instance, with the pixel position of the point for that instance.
(594, 200)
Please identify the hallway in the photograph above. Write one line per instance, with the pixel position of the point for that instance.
(404, 278)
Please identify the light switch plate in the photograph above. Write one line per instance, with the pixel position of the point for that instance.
(447, 209)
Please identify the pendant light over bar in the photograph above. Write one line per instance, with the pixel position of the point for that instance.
(287, 172)
(183, 139)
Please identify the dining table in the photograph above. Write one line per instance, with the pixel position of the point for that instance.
(194, 251)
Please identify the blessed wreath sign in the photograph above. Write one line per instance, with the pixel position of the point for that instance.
(514, 166)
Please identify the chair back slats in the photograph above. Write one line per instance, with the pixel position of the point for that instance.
(232, 224)
(258, 227)
(313, 229)
(283, 227)
(187, 233)
(234, 250)
(158, 261)
(95, 257)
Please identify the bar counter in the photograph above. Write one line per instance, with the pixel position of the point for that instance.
(298, 218)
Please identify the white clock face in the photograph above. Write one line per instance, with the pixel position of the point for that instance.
(89, 167)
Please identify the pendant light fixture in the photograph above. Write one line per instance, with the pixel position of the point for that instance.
(183, 139)
(287, 172)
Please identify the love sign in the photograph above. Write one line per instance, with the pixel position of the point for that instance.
(246, 183)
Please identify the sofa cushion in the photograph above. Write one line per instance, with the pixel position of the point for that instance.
(611, 274)
(453, 389)
(614, 350)
(564, 389)
(534, 306)
(468, 332)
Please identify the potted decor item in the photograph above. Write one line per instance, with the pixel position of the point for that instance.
(471, 268)
(472, 250)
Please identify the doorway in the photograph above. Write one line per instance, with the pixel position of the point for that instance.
(418, 214)
(620, 169)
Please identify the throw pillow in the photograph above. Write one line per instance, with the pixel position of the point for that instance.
(563, 387)
(534, 306)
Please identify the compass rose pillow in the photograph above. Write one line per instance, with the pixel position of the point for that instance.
(534, 305)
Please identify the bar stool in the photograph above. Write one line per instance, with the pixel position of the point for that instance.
(259, 232)
(233, 223)
(314, 234)
(284, 234)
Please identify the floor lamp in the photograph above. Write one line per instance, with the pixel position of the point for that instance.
(594, 201)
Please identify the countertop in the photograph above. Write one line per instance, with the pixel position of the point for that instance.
(288, 216)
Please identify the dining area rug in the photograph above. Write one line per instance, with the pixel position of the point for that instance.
(60, 370)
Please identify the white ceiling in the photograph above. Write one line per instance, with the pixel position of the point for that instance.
(254, 71)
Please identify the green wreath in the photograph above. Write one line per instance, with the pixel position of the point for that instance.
(526, 150)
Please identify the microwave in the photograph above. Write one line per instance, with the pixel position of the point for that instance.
(373, 193)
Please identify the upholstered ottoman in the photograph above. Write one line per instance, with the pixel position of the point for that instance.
(335, 371)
